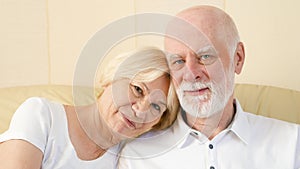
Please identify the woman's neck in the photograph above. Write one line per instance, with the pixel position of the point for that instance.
(88, 132)
(96, 127)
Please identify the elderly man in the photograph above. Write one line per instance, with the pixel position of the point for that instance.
(212, 131)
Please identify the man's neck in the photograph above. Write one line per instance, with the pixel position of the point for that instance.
(213, 125)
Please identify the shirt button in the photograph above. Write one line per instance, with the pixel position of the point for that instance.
(211, 167)
(210, 146)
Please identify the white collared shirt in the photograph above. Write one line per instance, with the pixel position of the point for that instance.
(250, 142)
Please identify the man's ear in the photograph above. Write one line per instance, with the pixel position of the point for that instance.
(239, 58)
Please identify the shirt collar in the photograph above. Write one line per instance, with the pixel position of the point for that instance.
(188, 132)
(239, 126)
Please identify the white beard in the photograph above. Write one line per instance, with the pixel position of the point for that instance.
(210, 103)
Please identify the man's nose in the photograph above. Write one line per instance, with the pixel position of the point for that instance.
(194, 70)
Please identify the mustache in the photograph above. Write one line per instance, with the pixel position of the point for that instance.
(190, 86)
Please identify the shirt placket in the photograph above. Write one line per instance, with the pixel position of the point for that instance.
(210, 148)
(212, 155)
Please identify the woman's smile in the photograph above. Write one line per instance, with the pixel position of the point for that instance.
(130, 124)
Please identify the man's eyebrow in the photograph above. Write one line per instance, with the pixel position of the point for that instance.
(174, 55)
(204, 49)
(207, 49)
(171, 55)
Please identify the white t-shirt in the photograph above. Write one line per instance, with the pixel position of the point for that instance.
(44, 124)
(250, 142)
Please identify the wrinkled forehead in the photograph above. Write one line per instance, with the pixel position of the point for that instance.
(183, 36)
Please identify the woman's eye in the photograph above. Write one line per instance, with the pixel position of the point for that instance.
(138, 89)
(156, 106)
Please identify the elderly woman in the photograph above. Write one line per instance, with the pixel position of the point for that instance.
(135, 96)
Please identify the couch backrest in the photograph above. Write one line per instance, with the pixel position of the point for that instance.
(283, 104)
(11, 98)
(269, 101)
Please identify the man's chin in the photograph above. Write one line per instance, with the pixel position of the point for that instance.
(197, 110)
(202, 114)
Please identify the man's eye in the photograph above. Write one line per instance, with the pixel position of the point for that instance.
(178, 61)
(205, 57)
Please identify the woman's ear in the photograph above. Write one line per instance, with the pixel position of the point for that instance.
(239, 58)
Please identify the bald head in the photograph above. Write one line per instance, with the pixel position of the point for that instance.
(212, 23)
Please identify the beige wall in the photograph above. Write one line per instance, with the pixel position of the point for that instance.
(23, 42)
(270, 31)
(41, 40)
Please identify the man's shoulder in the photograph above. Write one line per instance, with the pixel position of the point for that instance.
(260, 120)
(255, 119)
(271, 128)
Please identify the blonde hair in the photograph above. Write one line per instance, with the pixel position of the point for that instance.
(142, 65)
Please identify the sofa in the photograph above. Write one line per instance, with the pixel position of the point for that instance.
(275, 102)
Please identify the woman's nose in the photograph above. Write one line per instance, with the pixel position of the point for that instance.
(140, 108)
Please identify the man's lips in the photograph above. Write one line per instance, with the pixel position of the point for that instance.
(128, 122)
(197, 92)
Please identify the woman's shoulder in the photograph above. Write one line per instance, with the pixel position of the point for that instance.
(33, 121)
(40, 104)
(37, 101)
(37, 111)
